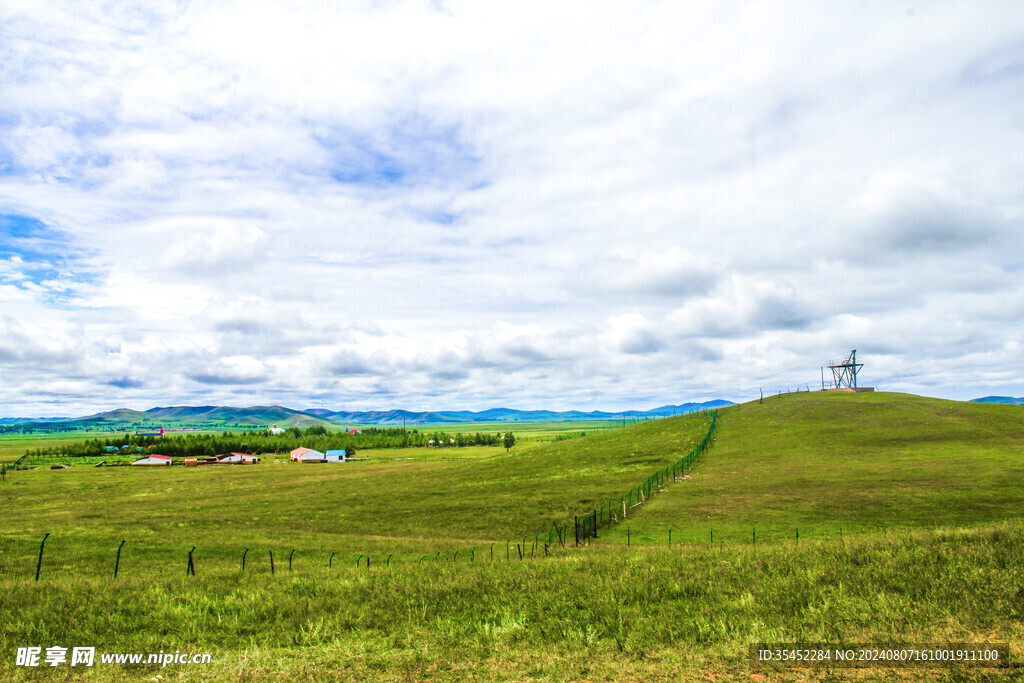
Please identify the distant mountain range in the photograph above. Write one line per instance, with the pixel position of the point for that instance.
(259, 416)
(504, 415)
(999, 399)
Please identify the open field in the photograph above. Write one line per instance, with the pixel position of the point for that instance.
(928, 494)
(13, 446)
(378, 507)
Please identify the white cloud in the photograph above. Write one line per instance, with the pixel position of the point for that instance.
(568, 205)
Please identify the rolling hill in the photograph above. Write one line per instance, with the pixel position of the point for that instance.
(216, 417)
(829, 463)
(505, 415)
(1009, 400)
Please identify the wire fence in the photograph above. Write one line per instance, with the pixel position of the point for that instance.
(54, 555)
(616, 510)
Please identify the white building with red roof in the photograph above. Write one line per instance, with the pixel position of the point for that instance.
(154, 460)
(308, 455)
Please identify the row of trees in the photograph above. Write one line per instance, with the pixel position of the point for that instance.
(316, 437)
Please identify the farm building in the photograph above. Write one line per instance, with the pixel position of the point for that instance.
(336, 456)
(237, 459)
(154, 460)
(308, 455)
(275, 431)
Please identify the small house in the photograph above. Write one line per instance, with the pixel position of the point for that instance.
(308, 455)
(154, 460)
(336, 455)
(237, 459)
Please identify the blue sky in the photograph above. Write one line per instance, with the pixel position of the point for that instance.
(431, 205)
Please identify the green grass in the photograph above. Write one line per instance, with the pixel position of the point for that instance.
(13, 446)
(826, 463)
(598, 614)
(886, 468)
(380, 506)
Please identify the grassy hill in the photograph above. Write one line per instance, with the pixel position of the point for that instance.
(211, 417)
(822, 462)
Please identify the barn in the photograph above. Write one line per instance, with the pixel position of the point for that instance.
(336, 456)
(308, 455)
(154, 460)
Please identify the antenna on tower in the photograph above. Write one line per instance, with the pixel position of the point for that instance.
(845, 372)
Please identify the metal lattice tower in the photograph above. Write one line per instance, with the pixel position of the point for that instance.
(845, 372)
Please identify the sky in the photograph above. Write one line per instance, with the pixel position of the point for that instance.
(464, 205)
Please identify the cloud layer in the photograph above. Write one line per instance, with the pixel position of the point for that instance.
(457, 205)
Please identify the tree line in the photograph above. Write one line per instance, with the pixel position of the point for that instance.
(316, 437)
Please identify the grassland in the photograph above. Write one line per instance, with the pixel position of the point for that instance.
(598, 614)
(826, 464)
(928, 494)
(378, 507)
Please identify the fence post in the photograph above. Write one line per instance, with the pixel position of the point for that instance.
(358, 559)
(595, 523)
(506, 549)
(492, 551)
(712, 537)
(290, 559)
(388, 563)
(455, 556)
(798, 535)
(271, 561)
(330, 560)
(520, 549)
(576, 524)
(753, 534)
(670, 534)
(243, 558)
(117, 562)
(628, 541)
(39, 564)
(191, 569)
